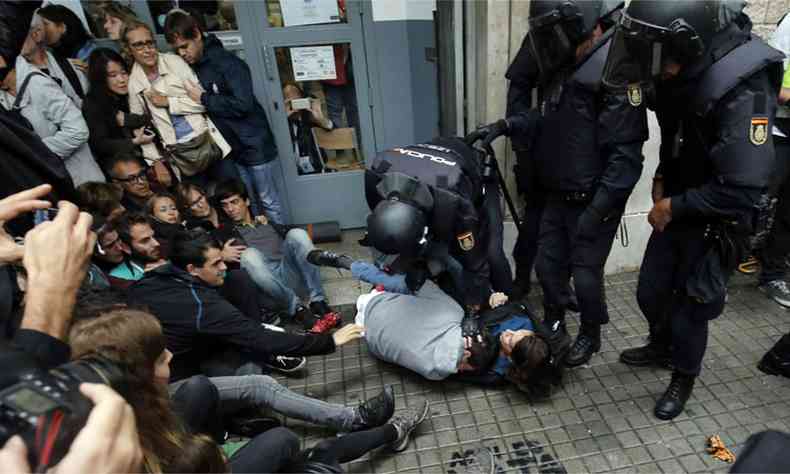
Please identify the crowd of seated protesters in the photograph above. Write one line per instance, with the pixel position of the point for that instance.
(195, 268)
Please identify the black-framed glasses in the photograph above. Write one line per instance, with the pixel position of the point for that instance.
(141, 45)
(135, 178)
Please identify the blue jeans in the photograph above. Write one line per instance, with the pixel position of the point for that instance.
(261, 184)
(283, 279)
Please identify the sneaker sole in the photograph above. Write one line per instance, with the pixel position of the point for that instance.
(288, 371)
(779, 301)
(405, 442)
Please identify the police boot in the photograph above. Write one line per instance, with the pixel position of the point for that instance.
(656, 352)
(653, 353)
(673, 401)
(777, 360)
(587, 343)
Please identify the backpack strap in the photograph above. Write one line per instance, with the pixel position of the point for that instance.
(71, 74)
(23, 88)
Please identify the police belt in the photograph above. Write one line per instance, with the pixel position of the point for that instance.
(573, 196)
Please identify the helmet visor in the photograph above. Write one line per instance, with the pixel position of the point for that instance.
(631, 60)
(550, 45)
(635, 55)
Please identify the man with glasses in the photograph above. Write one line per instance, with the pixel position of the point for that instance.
(128, 170)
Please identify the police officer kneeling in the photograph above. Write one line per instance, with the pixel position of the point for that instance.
(586, 152)
(715, 99)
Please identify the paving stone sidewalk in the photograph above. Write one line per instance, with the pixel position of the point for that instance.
(599, 421)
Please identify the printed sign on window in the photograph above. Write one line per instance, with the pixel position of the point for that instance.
(309, 12)
(313, 63)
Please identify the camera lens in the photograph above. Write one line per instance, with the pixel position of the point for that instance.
(94, 369)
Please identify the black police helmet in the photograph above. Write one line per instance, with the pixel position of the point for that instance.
(396, 227)
(557, 27)
(690, 25)
(652, 32)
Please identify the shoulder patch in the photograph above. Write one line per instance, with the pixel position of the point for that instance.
(466, 241)
(758, 130)
(635, 95)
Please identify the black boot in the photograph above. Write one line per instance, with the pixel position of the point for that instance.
(673, 401)
(777, 360)
(587, 343)
(653, 353)
(376, 411)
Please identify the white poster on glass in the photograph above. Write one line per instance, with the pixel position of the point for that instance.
(309, 12)
(313, 63)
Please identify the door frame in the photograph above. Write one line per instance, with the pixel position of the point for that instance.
(299, 191)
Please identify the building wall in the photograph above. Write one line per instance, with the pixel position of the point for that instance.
(398, 43)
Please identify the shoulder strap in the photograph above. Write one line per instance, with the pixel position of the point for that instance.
(71, 74)
(158, 142)
(590, 72)
(732, 69)
(23, 88)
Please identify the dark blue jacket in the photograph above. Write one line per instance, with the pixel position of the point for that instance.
(230, 102)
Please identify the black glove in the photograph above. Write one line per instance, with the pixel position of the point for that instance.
(470, 325)
(493, 131)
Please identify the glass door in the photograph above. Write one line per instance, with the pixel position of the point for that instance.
(314, 75)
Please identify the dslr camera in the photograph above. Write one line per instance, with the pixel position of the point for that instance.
(47, 409)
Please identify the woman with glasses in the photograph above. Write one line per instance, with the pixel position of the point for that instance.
(106, 108)
(157, 88)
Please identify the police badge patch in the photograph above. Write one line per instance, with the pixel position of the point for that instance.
(758, 131)
(635, 94)
(466, 241)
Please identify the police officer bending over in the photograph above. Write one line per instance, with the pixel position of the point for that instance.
(716, 88)
(586, 150)
(436, 205)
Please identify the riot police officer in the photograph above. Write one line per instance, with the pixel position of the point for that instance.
(439, 203)
(715, 99)
(585, 149)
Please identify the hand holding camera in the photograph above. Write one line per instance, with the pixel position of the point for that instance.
(107, 443)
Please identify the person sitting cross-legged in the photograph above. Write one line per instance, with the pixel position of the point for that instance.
(200, 324)
(280, 267)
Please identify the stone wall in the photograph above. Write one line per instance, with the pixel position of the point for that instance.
(765, 14)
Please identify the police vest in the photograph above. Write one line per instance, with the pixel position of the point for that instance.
(566, 151)
(442, 177)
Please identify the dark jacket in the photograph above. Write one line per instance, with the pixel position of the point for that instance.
(230, 102)
(589, 138)
(107, 137)
(197, 321)
(717, 150)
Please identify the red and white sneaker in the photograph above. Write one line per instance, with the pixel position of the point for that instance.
(328, 322)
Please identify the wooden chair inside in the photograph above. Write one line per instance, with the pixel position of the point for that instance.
(341, 141)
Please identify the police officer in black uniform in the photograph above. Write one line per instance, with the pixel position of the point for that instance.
(439, 202)
(585, 147)
(715, 99)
